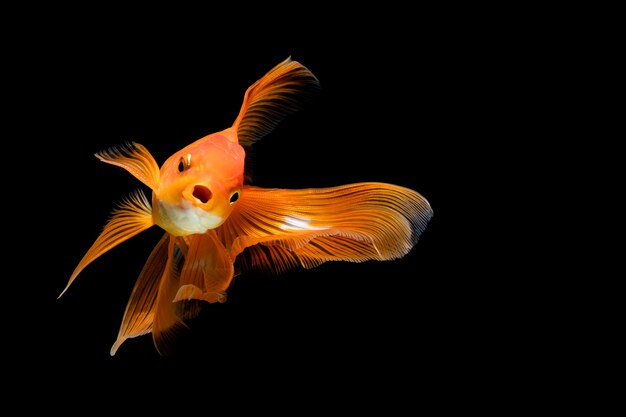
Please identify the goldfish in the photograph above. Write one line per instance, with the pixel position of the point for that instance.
(217, 224)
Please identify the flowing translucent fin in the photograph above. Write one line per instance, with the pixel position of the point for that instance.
(167, 322)
(280, 92)
(208, 270)
(135, 159)
(141, 306)
(357, 222)
(133, 216)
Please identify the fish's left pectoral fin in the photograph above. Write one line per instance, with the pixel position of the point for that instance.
(133, 216)
(136, 159)
(280, 229)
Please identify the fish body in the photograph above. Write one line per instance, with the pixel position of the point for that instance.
(217, 224)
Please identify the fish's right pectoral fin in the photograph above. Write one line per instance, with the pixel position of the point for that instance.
(133, 216)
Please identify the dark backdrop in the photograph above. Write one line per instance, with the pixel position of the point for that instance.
(397, 106)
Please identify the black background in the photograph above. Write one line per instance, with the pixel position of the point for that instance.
(404, 104)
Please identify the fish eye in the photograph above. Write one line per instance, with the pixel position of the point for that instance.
(234, 197)
(184, 162)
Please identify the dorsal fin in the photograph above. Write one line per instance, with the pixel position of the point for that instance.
(278, 93)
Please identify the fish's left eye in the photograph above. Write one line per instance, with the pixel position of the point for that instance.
(234, 197)
(184, 162)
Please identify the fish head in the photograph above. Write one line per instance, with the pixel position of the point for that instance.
(199, 186)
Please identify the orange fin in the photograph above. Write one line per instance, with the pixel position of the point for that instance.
(207, 271)
(191, 292)
(135, 159)
(168, 318)
(179, 272)
(285, 228)
(133, 216)
(140, 310)
(280, 92)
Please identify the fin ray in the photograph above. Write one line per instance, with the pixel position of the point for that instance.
(139, 314)
(168, 322)
(280, 92)
(357, 222)
(133, 216)
(136, 159)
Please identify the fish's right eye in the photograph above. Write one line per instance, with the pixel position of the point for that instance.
(184, 162)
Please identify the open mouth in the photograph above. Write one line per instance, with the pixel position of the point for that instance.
(202, 193)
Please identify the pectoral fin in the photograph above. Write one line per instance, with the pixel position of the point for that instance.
(280, 229)
(133, 216)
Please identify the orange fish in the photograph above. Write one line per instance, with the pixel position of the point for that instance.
(217, 225)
